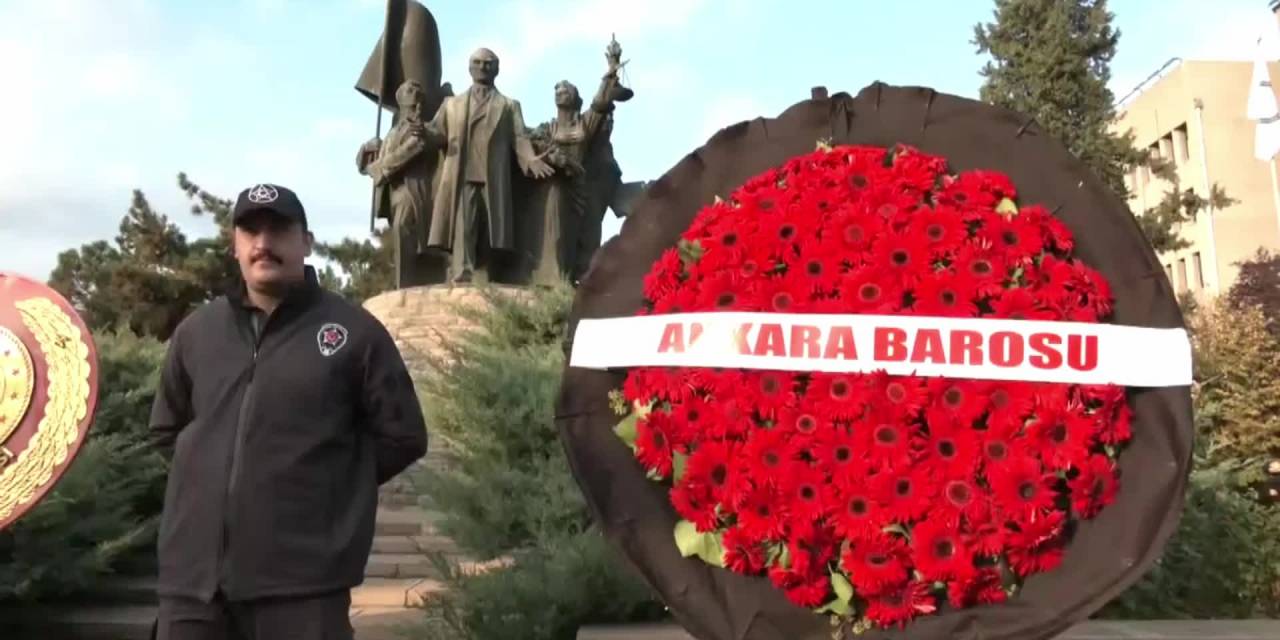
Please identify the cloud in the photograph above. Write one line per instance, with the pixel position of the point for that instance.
(541, 26)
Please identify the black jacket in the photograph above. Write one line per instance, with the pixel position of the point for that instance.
(279, 443)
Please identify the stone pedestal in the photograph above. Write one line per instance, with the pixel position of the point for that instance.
(423, 319)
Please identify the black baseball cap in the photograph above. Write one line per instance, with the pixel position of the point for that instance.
(269, 197)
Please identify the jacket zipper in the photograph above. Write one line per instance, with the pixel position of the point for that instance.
(238, 444)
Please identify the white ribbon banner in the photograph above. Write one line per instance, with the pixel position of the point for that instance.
(977, 348)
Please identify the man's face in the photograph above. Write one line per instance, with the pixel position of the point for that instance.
(484, 67)
(410, 102)
(271, 250)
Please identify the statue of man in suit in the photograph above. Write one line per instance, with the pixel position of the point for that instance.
(480, 130)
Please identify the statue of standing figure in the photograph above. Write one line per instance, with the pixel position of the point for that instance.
(576, 144)
(444, 179)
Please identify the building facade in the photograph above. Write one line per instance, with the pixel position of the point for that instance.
(1192, 115)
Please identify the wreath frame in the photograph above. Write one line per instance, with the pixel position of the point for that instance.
(1106, 555)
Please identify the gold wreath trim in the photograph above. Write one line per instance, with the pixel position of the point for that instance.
(66, 405)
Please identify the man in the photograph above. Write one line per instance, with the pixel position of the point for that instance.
(480, 130)
(404, 164)
(285, 407)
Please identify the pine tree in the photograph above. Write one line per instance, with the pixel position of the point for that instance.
(1050, 60)
(101, 517)
(1258, 286)
(153, 275)
(509, 492)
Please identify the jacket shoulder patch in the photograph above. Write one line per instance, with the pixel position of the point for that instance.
(331, 337)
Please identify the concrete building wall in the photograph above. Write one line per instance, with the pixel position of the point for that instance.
(1194, 116)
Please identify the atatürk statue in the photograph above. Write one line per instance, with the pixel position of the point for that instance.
(405, 163)
(481, 130)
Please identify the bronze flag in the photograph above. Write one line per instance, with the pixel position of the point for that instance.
(412, 40)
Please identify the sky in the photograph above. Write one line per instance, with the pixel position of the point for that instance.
(99, 97)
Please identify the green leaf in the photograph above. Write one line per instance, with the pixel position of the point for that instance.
(1007, 207)
(690, 251)
(837, 606)
(706, 545)
(626, 429)
(678, 461)
(840, 584)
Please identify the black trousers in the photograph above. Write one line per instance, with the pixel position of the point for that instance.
(324, 617)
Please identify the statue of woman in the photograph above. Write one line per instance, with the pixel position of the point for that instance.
(565, 143)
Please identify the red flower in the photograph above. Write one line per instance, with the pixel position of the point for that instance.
(855, 230)
(836, 396)
(653, 446)
(939, 551)
(665, 276)
(1018, 238)
(896, 396)
(900, 606)
(984, 586)
(960, 499)
(743, 552)
(1019, 304)
(946, 294)
(907, 494)
(962, 400)
(712, 465)
(942, 229)
(775, 390)
(852, 507)
(1094, 487)
(951, 445)
(1037, 546)
(886, 442)
(696, 503)
(1062, 438)
(904, 255)
(810, 593)
(767, 453)
(871, 290)
(1010, 403)
(875, 564)
(804, 486)
(984, 266)
(1023, 490)
(763, 514)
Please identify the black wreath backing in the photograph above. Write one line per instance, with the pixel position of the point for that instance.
(1107, 553)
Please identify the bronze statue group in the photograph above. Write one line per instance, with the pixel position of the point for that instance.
(460, 212)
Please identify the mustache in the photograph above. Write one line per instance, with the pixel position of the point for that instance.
(264, 255)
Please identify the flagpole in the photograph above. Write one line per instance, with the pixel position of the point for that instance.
(382, 92)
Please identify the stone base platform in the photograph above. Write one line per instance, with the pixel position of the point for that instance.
(423, 319)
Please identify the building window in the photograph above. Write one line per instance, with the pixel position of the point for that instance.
(1166, 148)
(1197, 270)
(1168, 272)
(1180, 151)
(1182, 275)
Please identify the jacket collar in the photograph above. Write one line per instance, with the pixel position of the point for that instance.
(300, 293)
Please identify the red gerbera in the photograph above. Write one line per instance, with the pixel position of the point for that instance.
(1037, 545)
(904, 255)
(939, 551)
(763, 514)
(875, 564)
(766, 453)
(696, 503)
(906, 494)
(900, 606)
(804, 486)
(1061, 437)
(653, 446)
(1022, 488)
(852, 507)
(712, 465)
(871, 290)
(984, 586)
(1094, 487)
(946, 294)
(743, 552)
(941, 227)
